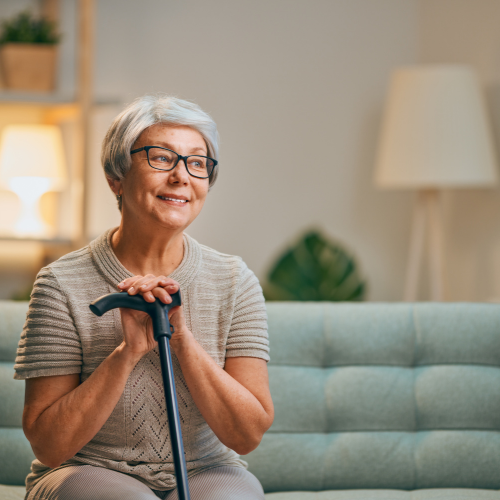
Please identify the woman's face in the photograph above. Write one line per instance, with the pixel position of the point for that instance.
(172, 198)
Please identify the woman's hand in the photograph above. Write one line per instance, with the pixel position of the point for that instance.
(137, 326)
(150, 287)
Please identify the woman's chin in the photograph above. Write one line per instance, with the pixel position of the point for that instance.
(172, 223)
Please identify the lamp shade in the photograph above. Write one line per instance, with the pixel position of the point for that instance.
(435, 131)
(34, 151)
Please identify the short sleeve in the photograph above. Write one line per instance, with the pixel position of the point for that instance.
(248, 333)
(50, 344)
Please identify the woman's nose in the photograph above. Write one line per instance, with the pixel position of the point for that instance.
(180, 173)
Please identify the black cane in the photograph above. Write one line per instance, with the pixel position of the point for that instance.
(162, 333)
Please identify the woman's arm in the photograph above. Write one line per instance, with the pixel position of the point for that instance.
(61, 415)
(235, 402)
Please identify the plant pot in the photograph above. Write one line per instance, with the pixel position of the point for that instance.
(28, 66)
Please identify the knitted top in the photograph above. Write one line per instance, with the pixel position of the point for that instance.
(224, 308)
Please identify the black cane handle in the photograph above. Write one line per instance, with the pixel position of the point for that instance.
(157, 309)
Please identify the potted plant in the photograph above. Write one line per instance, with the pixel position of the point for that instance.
(315, 269)
(28, 53)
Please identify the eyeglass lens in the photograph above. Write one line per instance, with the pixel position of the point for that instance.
(197, 166)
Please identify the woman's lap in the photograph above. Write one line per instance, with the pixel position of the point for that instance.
(222, 483)
(86, 482)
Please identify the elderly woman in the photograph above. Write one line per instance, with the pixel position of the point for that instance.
(94, 410)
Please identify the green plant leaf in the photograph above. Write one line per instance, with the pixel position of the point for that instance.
(315, 269)
(25, 28)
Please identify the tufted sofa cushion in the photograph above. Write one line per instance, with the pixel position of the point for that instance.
(382, 396)
(15, 451)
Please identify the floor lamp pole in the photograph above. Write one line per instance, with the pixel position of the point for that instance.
(426, 212)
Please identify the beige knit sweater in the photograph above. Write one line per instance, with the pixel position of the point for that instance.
(224, 308)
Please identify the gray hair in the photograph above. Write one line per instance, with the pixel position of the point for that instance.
(144, 112)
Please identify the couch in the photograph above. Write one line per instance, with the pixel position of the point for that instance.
(373, 401)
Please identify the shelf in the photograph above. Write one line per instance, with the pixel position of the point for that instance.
(38, 98)
(27, 99)
(50, 111)
(45, 241)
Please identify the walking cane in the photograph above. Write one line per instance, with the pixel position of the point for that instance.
(162, 333)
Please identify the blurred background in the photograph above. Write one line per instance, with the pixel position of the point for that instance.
(298, 90)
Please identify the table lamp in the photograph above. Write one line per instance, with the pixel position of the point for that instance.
(435, 135)
(31, 164)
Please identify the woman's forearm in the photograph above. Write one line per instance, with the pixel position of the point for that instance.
(70, 422)
(235, 415)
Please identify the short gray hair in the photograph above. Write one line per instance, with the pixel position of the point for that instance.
(144, 112)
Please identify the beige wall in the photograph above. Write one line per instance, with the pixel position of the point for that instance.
(467, 31)
(296, 89)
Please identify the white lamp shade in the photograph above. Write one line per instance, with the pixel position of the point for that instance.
(32, 151)
(435, 131)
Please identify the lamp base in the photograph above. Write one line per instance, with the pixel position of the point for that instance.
(427, 211)
(30, 190)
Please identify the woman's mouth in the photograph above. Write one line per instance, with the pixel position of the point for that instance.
(174, 200)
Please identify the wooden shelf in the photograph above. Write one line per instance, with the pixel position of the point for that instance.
(51, 112)
(39, 98)
(45, 241)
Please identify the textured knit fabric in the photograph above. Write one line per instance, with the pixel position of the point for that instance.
(224, 308)
(222, 483)
(86, 482)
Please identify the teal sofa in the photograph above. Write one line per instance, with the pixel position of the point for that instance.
(373, 401)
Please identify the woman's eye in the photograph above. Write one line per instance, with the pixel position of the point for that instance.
(160, 159)
(197, 163)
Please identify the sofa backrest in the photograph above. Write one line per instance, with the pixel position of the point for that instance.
(382, 395)
(367, 395)
(15, 451)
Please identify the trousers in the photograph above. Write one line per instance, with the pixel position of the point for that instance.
(86, 482)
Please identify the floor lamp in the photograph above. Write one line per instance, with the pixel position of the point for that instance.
(435, 135)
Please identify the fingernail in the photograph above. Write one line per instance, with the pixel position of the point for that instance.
(122, 284)
(131, 289)
(144, 286)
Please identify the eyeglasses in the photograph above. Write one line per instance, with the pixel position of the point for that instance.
(166, 159)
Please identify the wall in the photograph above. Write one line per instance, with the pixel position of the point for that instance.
(466, 31)
(296, 89)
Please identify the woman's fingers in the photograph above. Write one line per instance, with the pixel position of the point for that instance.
(157, 292)
(176, 318)
(159, 287)
(167, 283)
(162, 295)
(150, 287)
(140, 285)
(127, 283)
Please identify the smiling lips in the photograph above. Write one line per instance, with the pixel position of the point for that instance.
(176, 200)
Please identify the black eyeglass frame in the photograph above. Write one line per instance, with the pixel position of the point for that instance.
(179, 157)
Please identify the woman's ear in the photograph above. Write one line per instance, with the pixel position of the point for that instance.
(115, 185)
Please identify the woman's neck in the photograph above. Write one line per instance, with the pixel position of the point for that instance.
(144, 252)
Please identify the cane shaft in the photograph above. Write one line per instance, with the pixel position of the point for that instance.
(173, 418)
